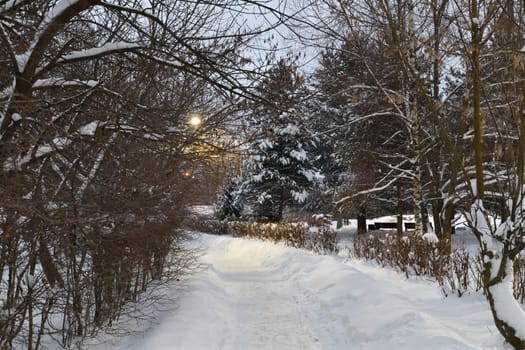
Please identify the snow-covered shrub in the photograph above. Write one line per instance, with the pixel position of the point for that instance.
(212, 226)
(319, 220)
(324, 241)
(229, 203)
(292, 234)
(456, 272)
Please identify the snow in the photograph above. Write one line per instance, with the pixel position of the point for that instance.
(250, 294)
(257, 178)
(393, 218)
(299, 196)
(16, 117)
(102, 50)
(22, 220)
(7, 91)
(61, 82)
(289, 129)
(51, 15)
(60, 7)
(431, 237)
(202, 210)
(16, 164)
(312, 175)
(95, 166)
(300, 155)
(506, 305)
(10, 4)
(266, 144)
(21, 60)
(89, 129)
(173, 129)
(284, 160)
(153, 136)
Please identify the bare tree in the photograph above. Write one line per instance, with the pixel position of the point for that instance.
(482, 40)
(500, 241)
(94, 101)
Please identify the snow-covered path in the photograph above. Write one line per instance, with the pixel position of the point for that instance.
(264, 313)
(257, 295)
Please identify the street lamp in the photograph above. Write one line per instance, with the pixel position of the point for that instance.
(195, 120)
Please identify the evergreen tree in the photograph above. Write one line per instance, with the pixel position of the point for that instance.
(281, 169)
(360, 132)
(229, 203)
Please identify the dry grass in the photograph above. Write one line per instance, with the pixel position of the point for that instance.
(314, 236)
(457, 271)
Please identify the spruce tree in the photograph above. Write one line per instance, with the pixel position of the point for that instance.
(281, 169)
(229, 203)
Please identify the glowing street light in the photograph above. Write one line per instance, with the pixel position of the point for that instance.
(195, 120)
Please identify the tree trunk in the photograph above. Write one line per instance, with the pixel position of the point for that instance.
(424, 217)
(437, 205)
(415, 127)
(339, 223)
(361, 220)
(506, 311)
(498, 272)
(438, 10)
(476, 100)
(399, 210)
(281, 205)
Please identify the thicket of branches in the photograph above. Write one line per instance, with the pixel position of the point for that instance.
(94, 101)
(418, 107)
(444, 124)
(457, 272)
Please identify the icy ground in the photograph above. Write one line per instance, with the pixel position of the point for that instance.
(250, 294)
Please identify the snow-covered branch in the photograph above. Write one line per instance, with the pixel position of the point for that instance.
(61, 83)
(16, 164)
(95, 167)
(53, 22)
(104, 50)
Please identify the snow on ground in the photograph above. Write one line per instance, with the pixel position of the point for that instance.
(251, 294)
(463, 238)
(202, 210)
